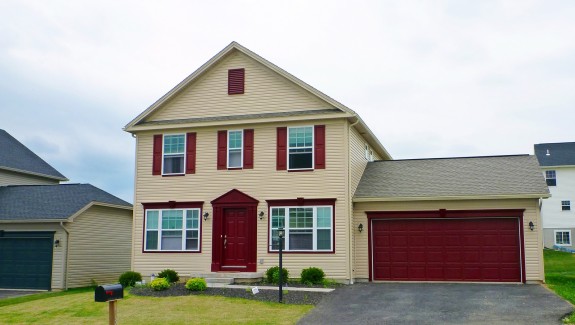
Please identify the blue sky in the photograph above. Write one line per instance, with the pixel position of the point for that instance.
(431, 78)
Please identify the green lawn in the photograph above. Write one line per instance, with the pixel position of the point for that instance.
(560, 275)
(78, 307)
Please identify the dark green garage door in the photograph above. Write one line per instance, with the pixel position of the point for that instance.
(26, 260)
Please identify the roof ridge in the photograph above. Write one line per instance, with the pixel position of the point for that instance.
(463, 157)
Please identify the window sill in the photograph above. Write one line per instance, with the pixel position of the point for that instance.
(563, 245)
(302, 252)
(171, 252)
(300, 170)
(172, 175)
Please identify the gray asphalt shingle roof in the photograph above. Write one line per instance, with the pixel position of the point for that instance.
(50, 202)
(560, 154)
(452, 177)
(15, 155)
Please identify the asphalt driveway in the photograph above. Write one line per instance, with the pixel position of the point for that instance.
(16, 293)
(439, 303)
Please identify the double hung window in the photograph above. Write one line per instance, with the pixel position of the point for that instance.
(565, 205)
(551, 178)
(300, 147)
(173, 154)
(235, 149)
(307, 228)
(172, 230)
(563, 237)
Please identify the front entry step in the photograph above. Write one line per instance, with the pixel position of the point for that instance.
(229, 277)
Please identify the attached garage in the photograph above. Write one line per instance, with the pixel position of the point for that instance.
(55, 237)
(470, 219)
(26, 260)
(439, 246)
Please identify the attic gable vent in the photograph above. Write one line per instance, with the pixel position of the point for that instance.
(236, 78)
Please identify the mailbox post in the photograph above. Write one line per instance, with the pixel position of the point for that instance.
(109, 293)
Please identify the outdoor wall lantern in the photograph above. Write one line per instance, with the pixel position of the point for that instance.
(531, 225)
(360, 227)
(57, 243)
(261, 215)
(206, 215)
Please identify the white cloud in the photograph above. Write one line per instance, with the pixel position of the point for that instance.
(441, 78)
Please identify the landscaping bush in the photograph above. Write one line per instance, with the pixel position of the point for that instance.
(273, 274)
(160, 284)
(129, 279)
(196, 284)
(170, 275)
(312, 275)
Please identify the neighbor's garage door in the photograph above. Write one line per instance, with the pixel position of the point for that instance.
(478, 249)
(26, 260)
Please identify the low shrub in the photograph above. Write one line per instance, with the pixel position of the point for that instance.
(129, 279)
(160, 284)
(312, 275)
(196, 284)
(272, 274)
(170, 275)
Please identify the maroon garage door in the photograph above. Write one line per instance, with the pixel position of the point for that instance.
(478, 249)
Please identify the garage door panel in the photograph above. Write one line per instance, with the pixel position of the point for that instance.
(454, 249)
(26, 262)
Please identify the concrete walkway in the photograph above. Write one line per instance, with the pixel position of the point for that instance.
(439, 303)
(9, 293)
(237, 286)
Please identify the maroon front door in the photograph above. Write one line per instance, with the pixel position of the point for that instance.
(234, 236)
(235, 239)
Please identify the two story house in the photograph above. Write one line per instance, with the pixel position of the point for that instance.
(241, 148)
(56, 236)
(557, 161)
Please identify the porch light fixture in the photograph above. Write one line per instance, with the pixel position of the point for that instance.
(531, 225)
(57, 243)
(360, 227)
(261, 215)
(206, 215)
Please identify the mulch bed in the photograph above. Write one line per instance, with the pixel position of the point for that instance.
(289, 297)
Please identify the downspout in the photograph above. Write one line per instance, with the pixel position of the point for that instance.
(350, 204)
(66, 258)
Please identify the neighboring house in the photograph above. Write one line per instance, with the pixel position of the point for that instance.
(241, 148)
(557, 161)
(56, 236)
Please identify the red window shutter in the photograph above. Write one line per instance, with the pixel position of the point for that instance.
(157, 151)
(319, 146)
(249, 149)
(281, 152)
(222, 149)
(236, 81)
(191, 153)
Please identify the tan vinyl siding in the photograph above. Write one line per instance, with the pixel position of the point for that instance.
(533, 239)
(357, 161)
(13, 178)
(265, 92)
(58, 254)
(100, 246)
(262, 183)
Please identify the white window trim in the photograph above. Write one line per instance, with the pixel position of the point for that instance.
(241, 149)
(312, 146)
(555, 237)
(371, 155)
(164, 154)
(366, 152)
(314, 229)
(184, 229)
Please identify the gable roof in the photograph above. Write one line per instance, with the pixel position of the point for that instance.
(560, 154)
(516, 176)
(18, 158)
(52, 202)
(234, 46)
